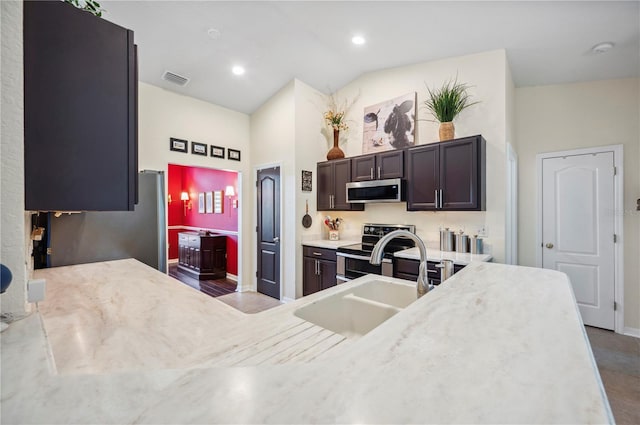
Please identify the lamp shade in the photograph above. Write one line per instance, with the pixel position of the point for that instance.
(230, 191)
(184, 196)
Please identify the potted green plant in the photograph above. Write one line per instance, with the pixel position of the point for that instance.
(445, 103)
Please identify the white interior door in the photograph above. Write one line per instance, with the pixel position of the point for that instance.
(578, 230)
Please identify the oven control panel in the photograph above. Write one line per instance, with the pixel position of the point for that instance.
(383, 229)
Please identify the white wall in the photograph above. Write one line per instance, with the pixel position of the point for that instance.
(311, 143)
(572, 116)
(486, 74)
(273, 143)
(164, 114)
(15, 223)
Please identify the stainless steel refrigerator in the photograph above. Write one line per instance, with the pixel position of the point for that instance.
(94, 236)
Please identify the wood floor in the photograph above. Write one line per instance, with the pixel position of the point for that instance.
(213, 287)
(618, 360)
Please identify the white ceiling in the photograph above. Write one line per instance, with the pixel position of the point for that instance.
(546, 42)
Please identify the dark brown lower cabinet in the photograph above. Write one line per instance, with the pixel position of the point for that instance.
(319, 269)
(203, 256)
(404, 268)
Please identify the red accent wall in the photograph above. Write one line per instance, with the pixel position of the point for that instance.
(195, 180)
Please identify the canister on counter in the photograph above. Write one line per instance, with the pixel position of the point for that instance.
(447, 240)
(476, 244)
(462, 242)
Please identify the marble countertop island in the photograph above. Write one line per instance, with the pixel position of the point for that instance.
(118, 342)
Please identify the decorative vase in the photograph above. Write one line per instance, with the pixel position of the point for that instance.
(335, 152)
(447, 131)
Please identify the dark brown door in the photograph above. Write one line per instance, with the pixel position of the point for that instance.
(342, 176)
(310, 278)
(325, 186)
(269, 232)
(423, 172)
(390, 165)
(327, 273)
(363, 168)
(459, 174)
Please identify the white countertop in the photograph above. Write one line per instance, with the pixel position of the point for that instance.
(325, 243)
(435, 255)
(127, 344)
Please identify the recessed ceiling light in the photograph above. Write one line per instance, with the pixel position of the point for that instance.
(238, 70)
(358, 40)
(602, 47)
(213, 33)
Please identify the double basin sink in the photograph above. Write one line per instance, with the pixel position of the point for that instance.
(358, 310)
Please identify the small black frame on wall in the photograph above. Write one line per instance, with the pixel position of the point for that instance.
(198, 148)
(233, 154)
(178, 145)
(217, 151)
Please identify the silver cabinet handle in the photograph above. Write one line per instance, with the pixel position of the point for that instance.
(276, 239)
(549, 245)
(317, 267)
(440, 198)
(371, 173)
(317, 253)
(436, 198)
(331, 201)
(378, 172)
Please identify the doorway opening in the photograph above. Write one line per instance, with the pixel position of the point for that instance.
(203, 228)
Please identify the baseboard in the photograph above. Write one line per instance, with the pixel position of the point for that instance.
(634, 332)
(287, 300)
(232, 277)
(172, 260)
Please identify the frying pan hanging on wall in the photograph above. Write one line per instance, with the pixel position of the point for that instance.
(306, 220)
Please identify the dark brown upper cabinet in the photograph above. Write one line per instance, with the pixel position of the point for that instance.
(333, 177)
(384, 165)
(80, 110)
(447, 176)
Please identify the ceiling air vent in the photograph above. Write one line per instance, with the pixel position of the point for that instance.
(175, 78)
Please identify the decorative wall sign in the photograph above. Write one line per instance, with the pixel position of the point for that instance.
(199, 148)
(217, 151)
(233, 154)
(178, 145)
(201, 208)
(390, 125)
(209, 202)
(218, 196)
(307, 185)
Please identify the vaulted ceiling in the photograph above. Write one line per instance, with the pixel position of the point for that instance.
(547, 42)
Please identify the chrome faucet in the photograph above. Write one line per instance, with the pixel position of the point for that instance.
(376, 257)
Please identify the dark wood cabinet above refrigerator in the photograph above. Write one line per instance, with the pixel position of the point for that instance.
(80, 110)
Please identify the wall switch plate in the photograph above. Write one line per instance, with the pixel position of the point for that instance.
(36, 290)
(482, 231)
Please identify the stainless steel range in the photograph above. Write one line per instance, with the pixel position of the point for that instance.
(353, 260)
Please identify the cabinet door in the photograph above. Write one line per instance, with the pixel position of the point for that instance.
(459, 174)
(363, 168)
(310, 278)
(220, 259)
(342, 176)
(390, 165)
(79, 110)
(423, 172)
(325, 186)
(327, 274)
(206, 260)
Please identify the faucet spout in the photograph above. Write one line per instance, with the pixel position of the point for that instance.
(422, 284)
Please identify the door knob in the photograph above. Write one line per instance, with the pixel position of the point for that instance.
(549, 245)
(276, 239)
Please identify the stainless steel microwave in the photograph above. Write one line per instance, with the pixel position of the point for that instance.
(390, 190)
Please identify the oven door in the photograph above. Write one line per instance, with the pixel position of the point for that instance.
(350, 266)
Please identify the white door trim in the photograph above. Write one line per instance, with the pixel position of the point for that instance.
(254, 280)
(618, 183)
(511, 252)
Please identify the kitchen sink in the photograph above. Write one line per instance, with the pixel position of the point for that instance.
(355, 312)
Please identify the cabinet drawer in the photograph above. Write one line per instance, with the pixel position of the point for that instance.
(319, 253)
(183, 239)
(194, 241)
(404, 266)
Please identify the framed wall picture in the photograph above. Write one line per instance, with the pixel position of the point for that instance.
(390, 124)
(201, 209)
(233, 154)
(198, 148)
(306, 181)
(217, 151)
(218, 195)
(209, 202)
(178, 145)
